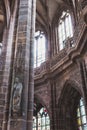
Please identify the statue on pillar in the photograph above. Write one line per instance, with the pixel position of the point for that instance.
(16, 97)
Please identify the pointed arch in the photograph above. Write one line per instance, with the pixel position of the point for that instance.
(39, 100)
(67, 105)
(71, 83)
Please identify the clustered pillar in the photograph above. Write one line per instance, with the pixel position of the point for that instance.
(20, 111)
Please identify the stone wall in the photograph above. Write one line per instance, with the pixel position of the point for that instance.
(60, 82)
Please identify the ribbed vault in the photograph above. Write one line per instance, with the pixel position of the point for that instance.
(47, 11)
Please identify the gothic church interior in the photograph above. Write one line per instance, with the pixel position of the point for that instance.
(43, 64)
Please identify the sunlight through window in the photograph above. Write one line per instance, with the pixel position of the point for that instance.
(41, 121)
(81, 116)
(65, 29)
(39, 49)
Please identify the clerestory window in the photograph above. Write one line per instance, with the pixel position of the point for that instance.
(39, 48)
(41, 121)
(65, 30)
(81, 116)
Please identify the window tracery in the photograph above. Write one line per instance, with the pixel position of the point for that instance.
(65, 30)
(41, 121)
(81, 116)
(39, 48)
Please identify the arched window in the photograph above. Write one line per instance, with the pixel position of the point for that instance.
(39, 48)
(81, 116)
(41, 121)
(65, 29)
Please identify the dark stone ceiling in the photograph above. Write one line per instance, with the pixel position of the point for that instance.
(47, 10)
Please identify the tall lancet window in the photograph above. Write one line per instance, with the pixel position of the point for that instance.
(41, 121)
(81, 116)
(39, 48)
(65, 30)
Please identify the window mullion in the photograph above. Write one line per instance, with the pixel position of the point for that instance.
(36, 122)
(65, 29)
(81, 117)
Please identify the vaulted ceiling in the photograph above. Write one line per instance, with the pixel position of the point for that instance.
(47, 10)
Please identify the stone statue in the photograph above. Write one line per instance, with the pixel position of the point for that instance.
(17, 92)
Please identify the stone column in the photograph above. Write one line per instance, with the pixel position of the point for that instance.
(48, 44)
(53, 105)
(6, 77)
(21, 113)
(83, 72)
(31, 69)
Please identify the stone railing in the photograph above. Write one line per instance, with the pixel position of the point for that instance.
(71, 43)
(45, 67)
(58, 57)
(78, 31)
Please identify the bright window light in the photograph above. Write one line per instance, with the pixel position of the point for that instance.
(65, 29)
(39, 49)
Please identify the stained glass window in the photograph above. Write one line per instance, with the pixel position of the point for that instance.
(39, 49)
(41, 121)
(81, 116)
(65, 29)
